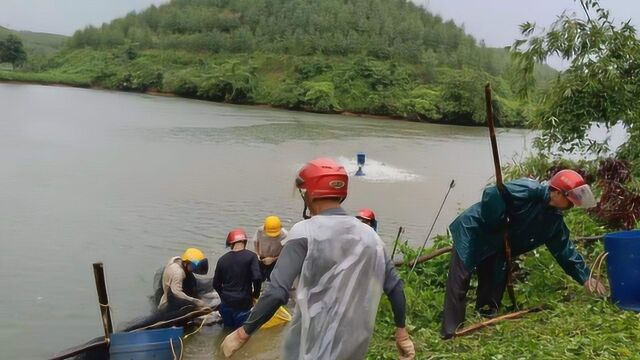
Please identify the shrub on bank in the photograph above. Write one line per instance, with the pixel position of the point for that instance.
(316, 83)
(574, 325)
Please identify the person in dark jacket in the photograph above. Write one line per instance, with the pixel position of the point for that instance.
(534, 214)
(237, 279)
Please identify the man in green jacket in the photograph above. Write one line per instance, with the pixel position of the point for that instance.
(533, 212)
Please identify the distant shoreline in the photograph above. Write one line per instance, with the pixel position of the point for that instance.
(155, 92)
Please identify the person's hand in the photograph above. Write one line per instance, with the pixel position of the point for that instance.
(268, 260)
(404, 344)
(595, 287)
(234, 341)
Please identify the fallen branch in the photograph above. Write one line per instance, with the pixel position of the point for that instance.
(425, 257)
(515, 315)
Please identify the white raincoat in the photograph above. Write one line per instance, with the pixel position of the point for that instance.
(339, 289)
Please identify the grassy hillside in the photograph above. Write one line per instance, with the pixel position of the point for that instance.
(383, 57)
(36, 42)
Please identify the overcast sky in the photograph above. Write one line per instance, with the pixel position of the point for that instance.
(494, 21)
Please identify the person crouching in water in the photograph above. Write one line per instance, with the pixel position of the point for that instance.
(178, 282)
(268, 242)
(367, 216)
(236, 273)
(342, 270)
(531, 212)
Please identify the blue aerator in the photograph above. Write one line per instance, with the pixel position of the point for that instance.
(360, 159)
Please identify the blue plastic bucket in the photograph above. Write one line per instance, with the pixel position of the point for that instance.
(145, 345)
(623, 265)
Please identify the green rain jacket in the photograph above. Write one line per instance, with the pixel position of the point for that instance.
(477, 232)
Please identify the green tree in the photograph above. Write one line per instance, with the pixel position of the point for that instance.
(12, 51)
(600, 86)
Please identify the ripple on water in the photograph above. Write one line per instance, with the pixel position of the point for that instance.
(377, 171)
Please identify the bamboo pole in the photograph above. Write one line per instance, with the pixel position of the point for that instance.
(433, 224)
(103, 299)
(501, 190)
(395, 243)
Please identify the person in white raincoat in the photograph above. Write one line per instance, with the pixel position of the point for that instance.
(342, 269)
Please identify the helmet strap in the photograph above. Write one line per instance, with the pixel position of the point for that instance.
(303, 195)
(304, 212)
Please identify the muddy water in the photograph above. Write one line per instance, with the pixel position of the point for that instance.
(132, 180)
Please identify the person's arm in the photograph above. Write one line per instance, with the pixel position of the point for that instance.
(394, 289)
(276, 293)
(283, 236)
(256, 243)
(176, 277)
(256, 277)
(492, 208)
(495, 207)
(566, 254)
(217, 279)
(284, 239)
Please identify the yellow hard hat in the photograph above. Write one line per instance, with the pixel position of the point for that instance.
(199, 263)
(272, 226)
(193, 255)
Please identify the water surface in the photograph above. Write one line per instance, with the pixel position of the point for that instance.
(132, 180)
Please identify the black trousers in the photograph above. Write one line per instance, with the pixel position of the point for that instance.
(266, 270)
(489, 292)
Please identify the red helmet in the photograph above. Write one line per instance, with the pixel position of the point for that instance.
(323, 178)
(366, 214)
(573, 186)
(236, 235)
(368, 217)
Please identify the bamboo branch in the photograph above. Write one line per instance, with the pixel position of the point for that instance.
(515, 315)
(425, 257)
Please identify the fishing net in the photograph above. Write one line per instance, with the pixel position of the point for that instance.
(177, 310)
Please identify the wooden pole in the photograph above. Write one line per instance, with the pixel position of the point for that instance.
(103, 299)
(515, 315)
(395, 243)
(501, 190)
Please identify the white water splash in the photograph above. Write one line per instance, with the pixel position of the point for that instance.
(376, 171)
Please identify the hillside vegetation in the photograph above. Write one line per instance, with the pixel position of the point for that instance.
(36, 42)
(383, 57)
